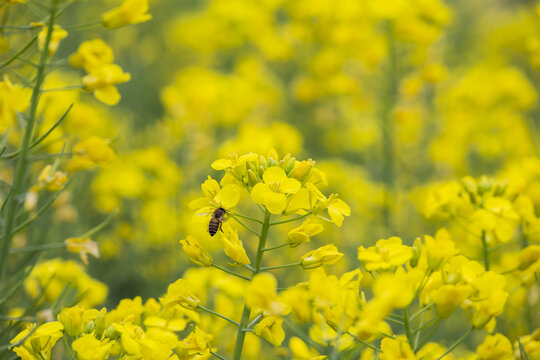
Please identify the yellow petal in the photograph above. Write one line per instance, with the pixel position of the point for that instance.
(274, 174)
(275, 202)
(258, 193)
(290, 186)
(228, 196)
(108, 95)
(221, 164)
(210, 187)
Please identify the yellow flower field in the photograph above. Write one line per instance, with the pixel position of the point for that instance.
(274, 179)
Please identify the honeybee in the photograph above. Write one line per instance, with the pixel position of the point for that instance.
(218, 217)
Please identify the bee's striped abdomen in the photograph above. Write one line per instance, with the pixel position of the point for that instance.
(213, 226)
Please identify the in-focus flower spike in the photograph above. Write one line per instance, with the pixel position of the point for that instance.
(180, 293)
(272, 192)
(303, 233)
(196, 253)
(40, 342)
(324, 255)
(233, 246)
(130, 12)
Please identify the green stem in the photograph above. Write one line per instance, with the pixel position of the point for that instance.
(418, 331)
(241, 334)
(63, 88)
(100, 226)
(365, 343)
(302, 335)
(408, 330)
(37, 248)
(68, 350)
(486, 249)
(83, 26)
(422, 310)
(291, 220)
(22, 161)
(252, 323)
(20, 52)
(429, 335)
(281, 266)
(230, 272)
(275, 247)
(249, 218)
(218, 315)
(244, 225)
(217, 355)
(456, 344)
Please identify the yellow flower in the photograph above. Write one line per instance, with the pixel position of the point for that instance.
(300, 351)
(40, 342)
(13, 99)
(91, 55)
(269, 328)
(195, 346)
(102, 81)
(215, 197)
(396, 349)
(233, 160)
(233, 246)
(180, 293)
(261, 295)
(448, 297)
(75, 319)
(272, 193)
(439, 249)
(196, 253)
(51, 180)
(495, 347)
(336, 208)
(325, 255)
(88, 347)
(130, 12)
(386, 254)
(83, 247)
(57, 35)
(90, 152)
(303, 233)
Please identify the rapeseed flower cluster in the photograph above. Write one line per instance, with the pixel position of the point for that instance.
(404, 104)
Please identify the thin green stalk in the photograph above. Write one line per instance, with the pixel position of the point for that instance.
(408, 329)
(249, 218)
(68, 349)
(254, 321)
(20, 52)
(230, 272)
(218, 315)
(302, 335)
(63, 88)
(22, 161)
(365, 343)
(291, 220)
(418, 332)
(241, 334)
(281, 266)
(429, 335)
(486, 249)
(276, 247)
(84, 26)
(422, 310)
(245, 226)
(217, 355)
(100, 226)
(456, 344)
(37, 248)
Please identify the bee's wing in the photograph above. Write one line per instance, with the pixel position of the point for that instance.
(205, 213)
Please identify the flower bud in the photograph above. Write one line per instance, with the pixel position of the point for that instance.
(327, 254)
(196, 253)
(417, 251)
(180, 293)
(252, 178)
(303, 233)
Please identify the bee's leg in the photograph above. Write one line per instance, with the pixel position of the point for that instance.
(220, 227)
